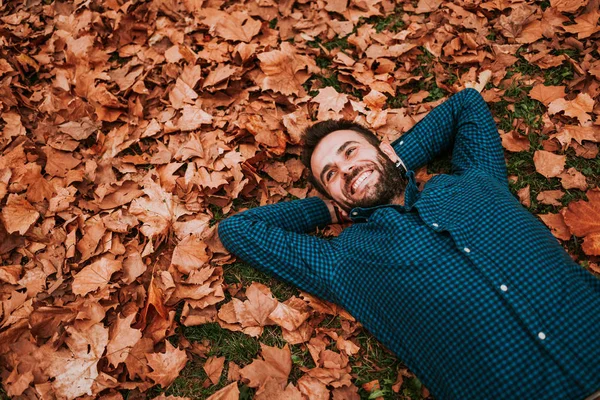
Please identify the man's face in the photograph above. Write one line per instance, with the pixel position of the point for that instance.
(354, 172)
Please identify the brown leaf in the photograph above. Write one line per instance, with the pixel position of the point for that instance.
(75, 370)
(282, 69)
(549, 164)
(567, 5)
(550, 197)
(573, 179)
(18, 214)
(524, 195)
(229, 392)
(313, 388)
(94, 276)
(276, 364)
(513, 141)
(122, 339)
(557, 225)
(237, 26)
(583, 217)
(576, 108)
(166, 366)
(547, 94)
(190, 254)
(213, 368)
(585, 25)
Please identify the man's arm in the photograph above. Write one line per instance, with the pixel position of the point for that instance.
(462, 124)
(272, 239)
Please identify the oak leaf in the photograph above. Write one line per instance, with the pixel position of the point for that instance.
(166, 366)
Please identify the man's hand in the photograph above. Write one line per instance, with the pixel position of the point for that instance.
(338, 215)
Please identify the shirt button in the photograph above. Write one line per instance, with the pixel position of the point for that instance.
(542, 335)
(354, 213)
(435, 225)
(467, 250)
(504, 288)
(401, 142)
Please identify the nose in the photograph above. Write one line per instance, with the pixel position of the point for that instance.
(346, 167)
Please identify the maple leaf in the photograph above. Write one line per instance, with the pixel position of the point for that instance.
(275, 364)
(330, 100)
(237, 26)
(122, 339)
(567, 5)
(573, 179)
(585, 25)
(190, 254)
(313, 388)
(158, 211)
(94, 276)
(166, 366)
(282, 69)
(583, 217)
(18, 214)
(557, 225)
(515, 142)
(549, 164)
(546, 94)
(75, 370)
(577, 108)
(213, 368)
(229, 392)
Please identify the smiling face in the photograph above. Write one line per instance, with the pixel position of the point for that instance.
(354, 172)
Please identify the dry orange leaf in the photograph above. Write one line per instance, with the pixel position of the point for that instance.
(122, 339)
(549, 164)
(330, 103)
(573, 179)
(557, 225)
(94, 276)
(229, 392)
(547, 94)
(275, 364)
(18, 214)
(576, 108)
(213, 368)
(585, 25)
(166, 366)
(550, 197)
(515, 142)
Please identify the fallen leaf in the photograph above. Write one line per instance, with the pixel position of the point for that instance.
(573, 179)
(550, 197)
(549, 164)
(166, 366)
(547, 94)
(576, 108)
(229, 392)
(557, 225)
(275, 364)
(94, 276)
(18, 214)
(213, 368)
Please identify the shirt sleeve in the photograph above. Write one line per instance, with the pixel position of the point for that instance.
(462, 124)
(272, 239)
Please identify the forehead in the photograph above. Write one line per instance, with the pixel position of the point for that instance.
(327, 148)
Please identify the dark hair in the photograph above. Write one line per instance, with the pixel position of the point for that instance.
(313, 135)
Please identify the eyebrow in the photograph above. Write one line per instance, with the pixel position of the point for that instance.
(339, 150)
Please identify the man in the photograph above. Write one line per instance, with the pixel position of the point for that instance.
(462, 283)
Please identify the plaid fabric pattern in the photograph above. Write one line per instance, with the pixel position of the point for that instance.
(462, 283)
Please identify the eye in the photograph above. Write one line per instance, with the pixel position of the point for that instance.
(329, 175)
(350, 151)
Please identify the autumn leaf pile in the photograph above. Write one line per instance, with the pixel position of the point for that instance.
(129, 128)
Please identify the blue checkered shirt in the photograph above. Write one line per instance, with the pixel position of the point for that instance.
(462, 283)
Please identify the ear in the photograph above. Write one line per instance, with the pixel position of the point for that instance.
(389, 151)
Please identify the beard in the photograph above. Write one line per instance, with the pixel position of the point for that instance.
(389, 186)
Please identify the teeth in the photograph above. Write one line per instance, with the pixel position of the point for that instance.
(360, 179)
